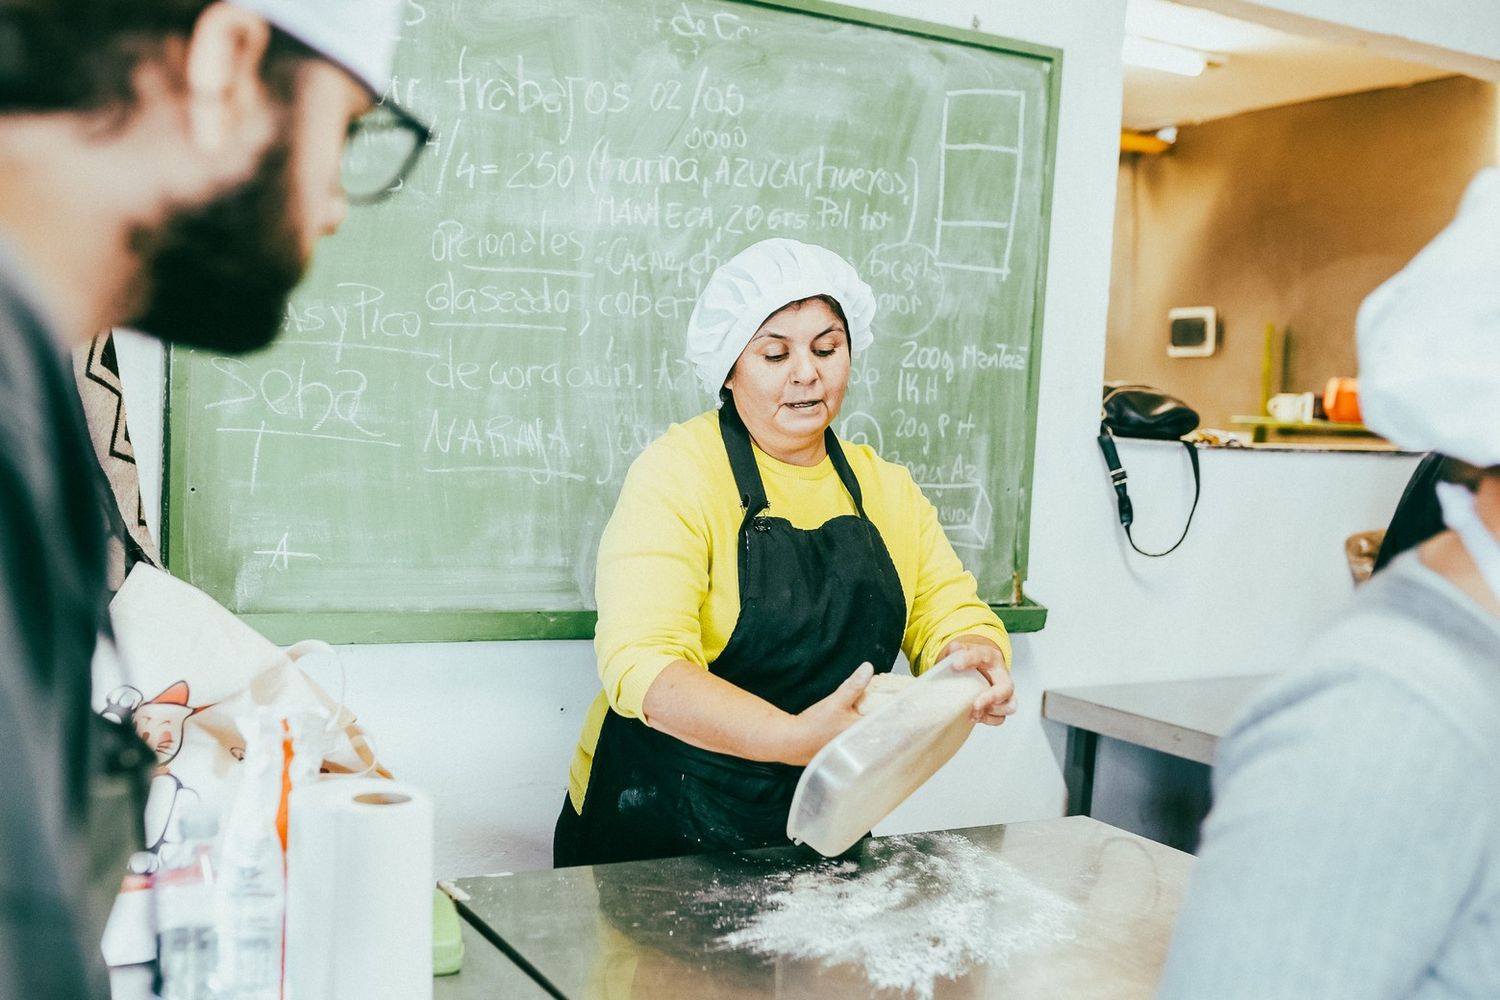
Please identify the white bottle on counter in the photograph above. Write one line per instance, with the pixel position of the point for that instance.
(251, 896)
(183, 895)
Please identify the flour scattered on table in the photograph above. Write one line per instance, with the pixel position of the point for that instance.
(918, 909)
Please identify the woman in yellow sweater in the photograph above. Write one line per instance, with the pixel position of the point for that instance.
(754, 575)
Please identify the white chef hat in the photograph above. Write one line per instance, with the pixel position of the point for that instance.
(1429, 339)
(358, 35)
(757, 282)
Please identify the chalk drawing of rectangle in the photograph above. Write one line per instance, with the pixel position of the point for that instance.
(978, 206)
(979, 179)
(993, 118)
(978, 188)
(975, 248)
(964, 511)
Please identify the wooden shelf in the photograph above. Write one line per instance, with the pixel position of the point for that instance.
(1302, 426)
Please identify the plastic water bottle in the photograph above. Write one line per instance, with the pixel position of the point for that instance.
(183, 896)
(251, 896)
(252, 907)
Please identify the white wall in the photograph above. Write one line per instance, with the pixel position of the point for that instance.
(488, 727)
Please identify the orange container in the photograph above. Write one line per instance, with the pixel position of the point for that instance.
(1341, 400)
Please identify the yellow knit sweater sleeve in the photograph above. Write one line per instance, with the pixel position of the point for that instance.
(653, 576)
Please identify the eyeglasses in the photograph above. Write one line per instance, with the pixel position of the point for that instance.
(380, 150)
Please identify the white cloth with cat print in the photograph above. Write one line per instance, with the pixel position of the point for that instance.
(191, 669)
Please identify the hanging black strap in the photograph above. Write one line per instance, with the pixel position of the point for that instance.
(742, 462)
(846, 474)
(1118, 479)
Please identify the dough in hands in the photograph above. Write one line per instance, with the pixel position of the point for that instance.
(882, 688)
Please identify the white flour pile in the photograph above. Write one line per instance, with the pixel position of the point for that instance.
(926, 907)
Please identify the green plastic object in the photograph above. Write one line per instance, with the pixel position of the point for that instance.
(447, 940)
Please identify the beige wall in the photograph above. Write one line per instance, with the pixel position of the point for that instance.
(1290, 215)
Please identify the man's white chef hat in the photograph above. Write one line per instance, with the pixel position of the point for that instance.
(358, 35)
(757, 282)
(1429, 339)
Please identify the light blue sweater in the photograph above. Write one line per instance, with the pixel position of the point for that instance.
(1353, 849)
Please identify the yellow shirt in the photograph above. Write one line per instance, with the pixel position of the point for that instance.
(668, 580)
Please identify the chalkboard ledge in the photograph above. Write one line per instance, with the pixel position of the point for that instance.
(1028, 616)
(472, 626)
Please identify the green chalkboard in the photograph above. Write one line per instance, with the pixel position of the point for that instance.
(433, 447)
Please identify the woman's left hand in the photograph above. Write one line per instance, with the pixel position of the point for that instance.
(974, 652)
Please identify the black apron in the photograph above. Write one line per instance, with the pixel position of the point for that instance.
(814, 605)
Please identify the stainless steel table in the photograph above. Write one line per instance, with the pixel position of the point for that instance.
(1056, 908)
(486, 974)
(1182, 718)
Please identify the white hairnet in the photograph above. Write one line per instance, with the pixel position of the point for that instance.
(1429, 339)
(757, 282)
(358, 35)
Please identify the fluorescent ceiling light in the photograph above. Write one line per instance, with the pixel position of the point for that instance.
(1151, 54)
(1196, 28)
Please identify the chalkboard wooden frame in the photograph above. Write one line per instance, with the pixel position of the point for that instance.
(397, 626)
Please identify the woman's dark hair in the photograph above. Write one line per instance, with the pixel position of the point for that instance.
(827, 300)
(1418, 515)
(80, 56)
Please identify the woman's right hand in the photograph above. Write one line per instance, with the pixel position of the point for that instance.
(820, 722)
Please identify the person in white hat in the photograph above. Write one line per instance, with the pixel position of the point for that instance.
(166, 165)
(755, 574)
(1353, 849)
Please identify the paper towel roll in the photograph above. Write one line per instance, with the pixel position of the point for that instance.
(359, 891)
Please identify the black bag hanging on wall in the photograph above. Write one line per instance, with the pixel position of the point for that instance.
(1139, 411)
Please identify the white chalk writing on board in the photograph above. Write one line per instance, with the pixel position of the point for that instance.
(466, 376)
